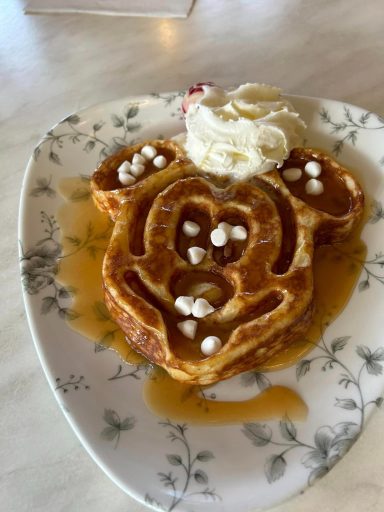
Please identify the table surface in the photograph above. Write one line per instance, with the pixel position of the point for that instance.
(52, 65)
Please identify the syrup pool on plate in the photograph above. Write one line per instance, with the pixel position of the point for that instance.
(85, 233)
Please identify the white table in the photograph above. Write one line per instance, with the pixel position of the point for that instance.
(51, 66)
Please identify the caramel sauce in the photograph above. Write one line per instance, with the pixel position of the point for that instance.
(335, 277)
(182, 402)
(335, 200)
(85, 235)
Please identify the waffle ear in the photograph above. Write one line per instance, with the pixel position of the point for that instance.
(339, 208)
(142, 163)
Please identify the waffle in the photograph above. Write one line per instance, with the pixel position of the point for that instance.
(261, 289)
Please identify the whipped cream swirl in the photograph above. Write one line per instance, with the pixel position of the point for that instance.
(242, 132)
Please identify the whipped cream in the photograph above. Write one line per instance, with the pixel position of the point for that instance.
(241, 132)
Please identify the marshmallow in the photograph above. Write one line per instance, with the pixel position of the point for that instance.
(137, 169)
(210, 345)
(160, 162)
(313, 169)
(238, 233)
(126, 179)
(195, 255)
(292, 174)
(191, 228)
(225, 227)
(202, 308)
(188, 328)
(138, 159)
(148, 152)
(314, 187)
(219, 237)
(124, 167)
(184, 304)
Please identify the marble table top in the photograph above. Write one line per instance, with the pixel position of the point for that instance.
(52, 65)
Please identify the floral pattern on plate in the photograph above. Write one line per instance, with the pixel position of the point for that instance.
(172, 466)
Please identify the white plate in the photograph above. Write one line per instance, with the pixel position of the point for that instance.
(180, 467)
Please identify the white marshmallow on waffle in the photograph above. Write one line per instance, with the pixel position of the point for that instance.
(225, 226)
(184, 304)
(148, 152)
(195, 255)
(314, 187)
(219, 237)
(124, 167)
(188, 328)
(160, 162)
(137, 169)
(126, 179)
(313, 169)
(238, 233)
(190, 228)
(138, 159)
(292, 174)
(211, 345)
(202, 308)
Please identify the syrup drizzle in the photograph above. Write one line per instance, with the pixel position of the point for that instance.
(85, 235)
(182, 402)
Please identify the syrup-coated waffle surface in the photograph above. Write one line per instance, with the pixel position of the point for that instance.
(261, 288)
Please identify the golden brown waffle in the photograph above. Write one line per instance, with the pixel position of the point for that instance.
(261, 288)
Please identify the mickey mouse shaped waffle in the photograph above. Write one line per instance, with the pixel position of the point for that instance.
(210, 276)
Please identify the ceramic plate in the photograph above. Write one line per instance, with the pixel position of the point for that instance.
(173, 466)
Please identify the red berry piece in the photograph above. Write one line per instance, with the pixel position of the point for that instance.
(194, 89)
